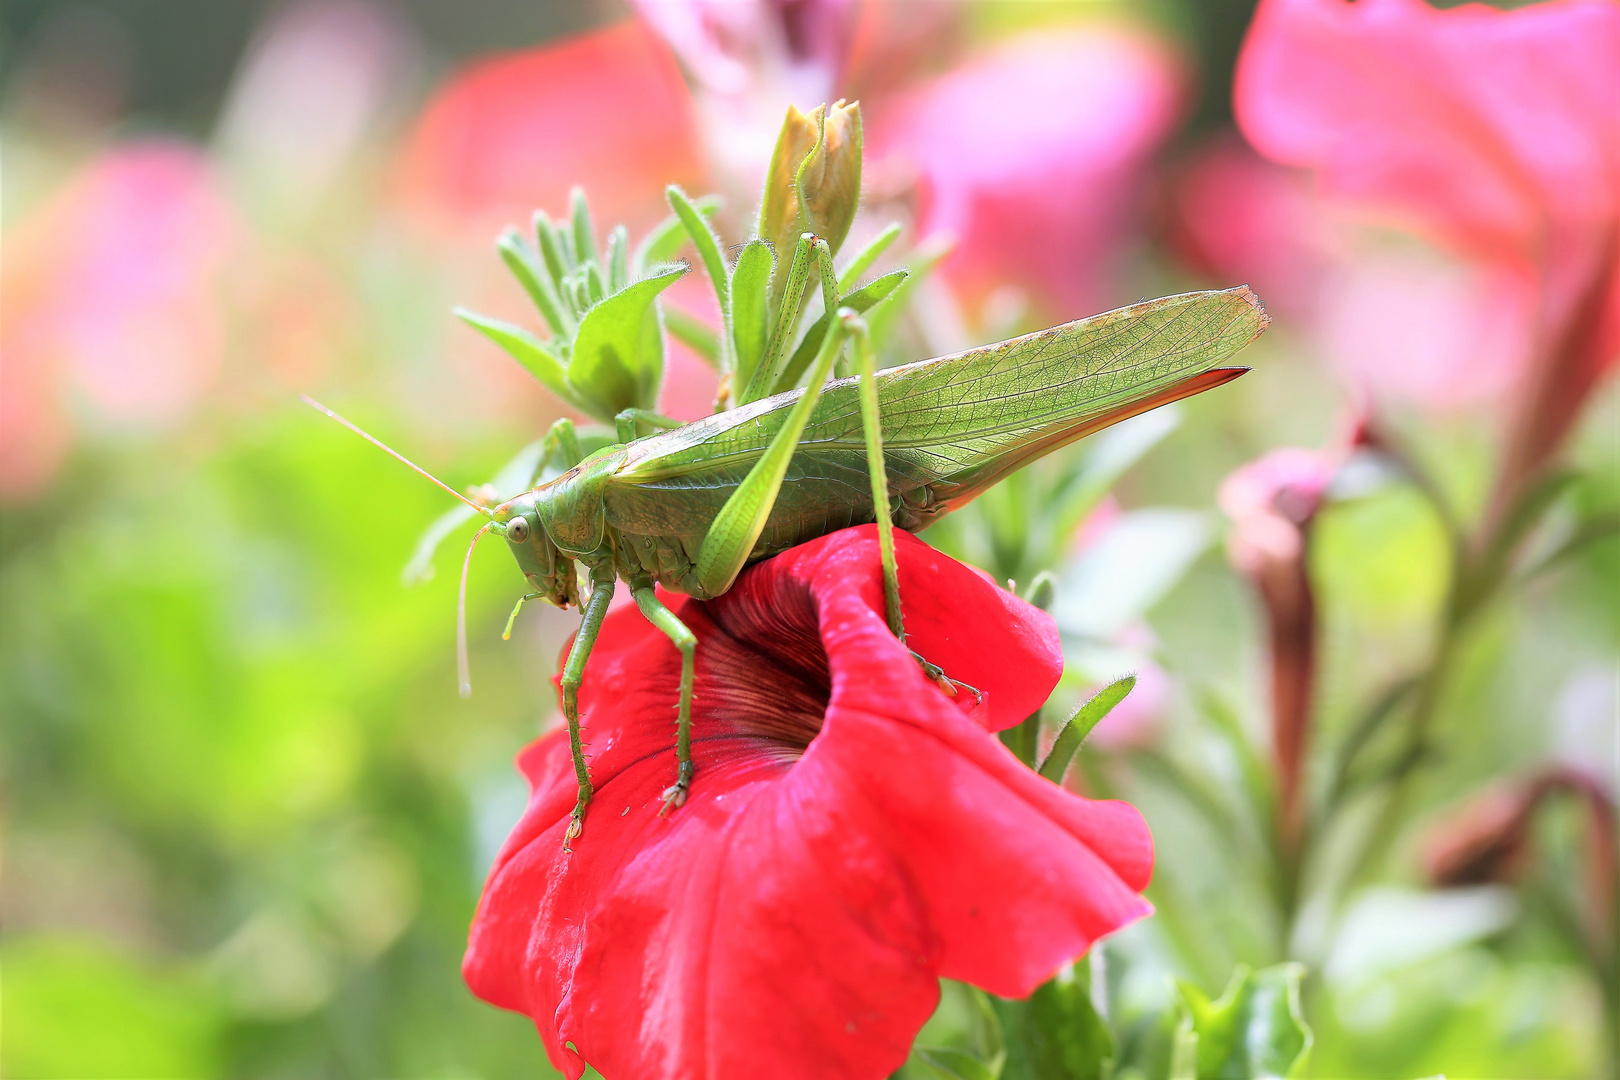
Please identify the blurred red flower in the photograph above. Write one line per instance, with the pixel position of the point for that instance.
(1032, 157)
(111, 301)
(606, 110)
(1495, 133)
(853, 834)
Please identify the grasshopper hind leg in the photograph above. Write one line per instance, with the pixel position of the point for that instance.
(686, 641)
(872, 428)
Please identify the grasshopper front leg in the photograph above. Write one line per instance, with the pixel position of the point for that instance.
(872, 429)
(736, 528)
(603, 584)
(686, 641)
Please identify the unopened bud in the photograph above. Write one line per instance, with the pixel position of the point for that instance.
(814, 182)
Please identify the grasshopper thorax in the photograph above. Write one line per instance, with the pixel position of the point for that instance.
(548, 571)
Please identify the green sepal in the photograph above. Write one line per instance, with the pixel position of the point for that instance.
(694, 334)
(538, 356)
(618, 359)
(708, 249)
(550, 243)
(581, 227)
(665, 241)
(863, 260)
(1253, 1030)
(750, 324)
(618, 258)
(861, 300)
(1078, 726)
(536, 281)
(596, 288)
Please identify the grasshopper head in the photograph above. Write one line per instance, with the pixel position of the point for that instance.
(549, 572)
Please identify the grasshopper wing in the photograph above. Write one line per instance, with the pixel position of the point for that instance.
(952, 426)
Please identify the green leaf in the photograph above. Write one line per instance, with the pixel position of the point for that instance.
(861, 300)
(708, 249)
(974, 1050)
(618, 359)
(750, 328)
(595, 284)
(618, 258)
(528, 350)
(694, 334)
(584, 232)
(532, 274)
(1055, 1033)
(1078, 726)
(1254, 1031)
(957, 1065)
(669, 236)
(868, 255)
(549, 241)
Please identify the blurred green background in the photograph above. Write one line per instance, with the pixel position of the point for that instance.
(246, 816)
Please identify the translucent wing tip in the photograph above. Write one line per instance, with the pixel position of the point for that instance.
(1248, 296)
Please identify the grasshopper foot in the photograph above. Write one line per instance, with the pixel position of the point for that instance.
(576, 820)
(936, 674)
(675, 795)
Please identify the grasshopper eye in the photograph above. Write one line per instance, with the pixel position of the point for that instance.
(517, 530)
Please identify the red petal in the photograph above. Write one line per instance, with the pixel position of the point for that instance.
(792, 919)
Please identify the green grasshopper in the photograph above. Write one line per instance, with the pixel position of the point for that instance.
(690, 506)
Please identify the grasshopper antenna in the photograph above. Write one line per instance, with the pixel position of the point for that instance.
(379, 444)
(463, 668)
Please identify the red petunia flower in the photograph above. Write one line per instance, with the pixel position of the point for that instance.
(853, 833)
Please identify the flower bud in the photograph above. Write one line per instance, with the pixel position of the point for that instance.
(814, 182)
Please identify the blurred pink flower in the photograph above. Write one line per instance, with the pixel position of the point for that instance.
(1271, 502)
(316, 79)
(747, 61)
(111, 300)
(1497, 134)
(1269, 499)
(1032, 156)
(1398, 319)
(1235, 216)
(606, 110)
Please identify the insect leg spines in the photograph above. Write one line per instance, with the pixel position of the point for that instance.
(686, 642)
(603, 583)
